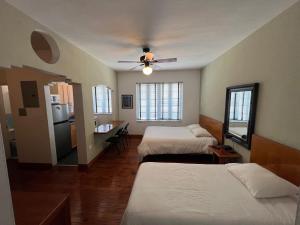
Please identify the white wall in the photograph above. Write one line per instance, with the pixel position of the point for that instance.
(191, 91)
(6, 210)
(271, 57)
(51, 126)
(6, 99)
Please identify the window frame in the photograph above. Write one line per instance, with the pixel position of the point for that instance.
(109, 100)
(179, 104)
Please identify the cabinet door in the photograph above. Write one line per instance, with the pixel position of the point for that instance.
(65, 93)
(60, 90)
(70, 98)
(54, 89)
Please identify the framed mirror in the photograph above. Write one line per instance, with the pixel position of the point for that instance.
(240, 113)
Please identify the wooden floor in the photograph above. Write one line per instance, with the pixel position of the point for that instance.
(98, 196)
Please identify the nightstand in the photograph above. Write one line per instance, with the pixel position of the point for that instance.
(222, 156)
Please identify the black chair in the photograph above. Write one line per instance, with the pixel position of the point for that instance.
(116, 140)
(125, 133)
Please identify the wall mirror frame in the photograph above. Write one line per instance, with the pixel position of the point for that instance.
(240, 112)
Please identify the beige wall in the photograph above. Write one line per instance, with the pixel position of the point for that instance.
(191, 84)
(31, 131)
(76, 64)
(270, 56)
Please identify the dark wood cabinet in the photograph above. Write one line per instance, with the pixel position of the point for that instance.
(37, 208)
(222, 156)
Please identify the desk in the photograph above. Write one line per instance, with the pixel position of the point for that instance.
(107, 127)
(36, 208)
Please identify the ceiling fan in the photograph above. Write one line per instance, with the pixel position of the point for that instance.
(147, 61)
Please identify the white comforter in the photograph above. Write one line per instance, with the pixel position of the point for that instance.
(195, 194)
(172, 140)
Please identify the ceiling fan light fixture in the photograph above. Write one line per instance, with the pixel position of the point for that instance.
(147, 70)
(149, 56)
(146, 60)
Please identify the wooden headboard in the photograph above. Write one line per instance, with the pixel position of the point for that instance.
(280, 159)
(214, 127)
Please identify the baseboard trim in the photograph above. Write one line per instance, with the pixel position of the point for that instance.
(135, 136)
(35, 166)
(85, 167)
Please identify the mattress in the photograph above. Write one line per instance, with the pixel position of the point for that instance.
(172, 140)
(198, 194)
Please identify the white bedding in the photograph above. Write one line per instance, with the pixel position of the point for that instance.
(197, 194)
(172, 140)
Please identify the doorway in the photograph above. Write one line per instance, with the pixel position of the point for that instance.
(34, 124)
(7, 121)
(64, 123)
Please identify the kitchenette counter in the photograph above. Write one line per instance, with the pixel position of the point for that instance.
(107, 127)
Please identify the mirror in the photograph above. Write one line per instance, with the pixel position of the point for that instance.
(240, 113)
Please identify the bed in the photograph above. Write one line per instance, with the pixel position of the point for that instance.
(179, 143)
(190, 194)
(173, 140)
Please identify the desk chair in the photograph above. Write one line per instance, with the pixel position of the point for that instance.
(116, 140)
(125, 133)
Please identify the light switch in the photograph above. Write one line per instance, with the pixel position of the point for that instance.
(22, 112)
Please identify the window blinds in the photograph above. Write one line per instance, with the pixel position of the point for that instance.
(159, 101)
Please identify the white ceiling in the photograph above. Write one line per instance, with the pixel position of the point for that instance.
(194, 31)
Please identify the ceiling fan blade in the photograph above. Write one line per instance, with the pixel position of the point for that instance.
(165, 60)
(156, 67)
(128, 61)
(133, 68)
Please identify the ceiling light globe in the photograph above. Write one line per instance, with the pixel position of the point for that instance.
(147, 70)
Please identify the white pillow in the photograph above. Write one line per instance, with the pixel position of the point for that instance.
(192, 126)
(200, 132)
(260, 182)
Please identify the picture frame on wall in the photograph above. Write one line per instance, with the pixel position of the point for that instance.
(127, 101)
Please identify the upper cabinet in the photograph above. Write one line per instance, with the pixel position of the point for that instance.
(64, 92)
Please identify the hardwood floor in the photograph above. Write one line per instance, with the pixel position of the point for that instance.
(98, 196)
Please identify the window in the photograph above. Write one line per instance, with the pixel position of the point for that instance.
(240, 105)
(102, 99)
(159, 101)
